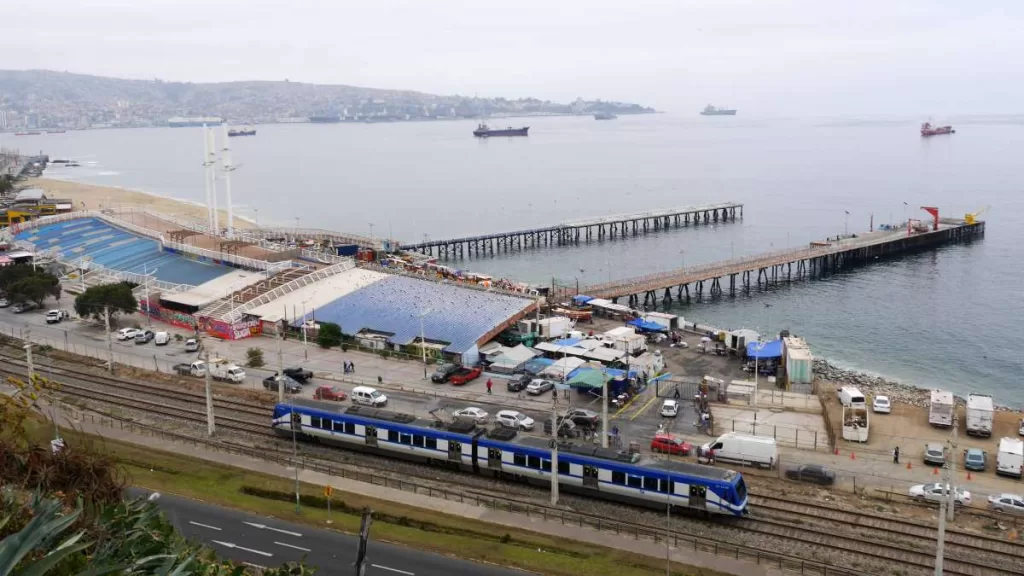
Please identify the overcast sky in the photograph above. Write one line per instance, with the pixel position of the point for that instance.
(767, 57)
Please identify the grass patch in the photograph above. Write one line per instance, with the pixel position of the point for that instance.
(415, 527)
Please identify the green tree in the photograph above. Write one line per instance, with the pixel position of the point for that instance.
(329, 336)
(6, 184)
(31, 289)
(117, 297)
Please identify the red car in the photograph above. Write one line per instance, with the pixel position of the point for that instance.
(670, 444)
(465, 375)
(330, 393)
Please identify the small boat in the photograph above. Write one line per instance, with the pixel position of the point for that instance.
(928, 130)
(605, 116)
(31, 133)
(241, 132)
(483, 131)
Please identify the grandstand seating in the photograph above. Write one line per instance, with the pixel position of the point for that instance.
(120, 250)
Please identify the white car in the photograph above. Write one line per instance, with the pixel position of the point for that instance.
(1009, 503)
(478, 415)
(670, 409)
(514, 419)
(1020, 431)
(936, 491)
(127, 333)
(881, 405)
(539, 387)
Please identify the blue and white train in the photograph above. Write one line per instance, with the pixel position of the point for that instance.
(582, 468)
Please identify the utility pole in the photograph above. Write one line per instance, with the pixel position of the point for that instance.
(225, 157)
(280, 367)
(554, 448)
(604, 413)
(950, 508)
(296, 422)
(110, 341)
(210, 426)
(940, 546)
(668, 526)
(28, 354)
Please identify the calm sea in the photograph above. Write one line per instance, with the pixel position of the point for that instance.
(947, 318)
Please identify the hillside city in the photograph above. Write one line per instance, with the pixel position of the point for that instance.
(39, 99)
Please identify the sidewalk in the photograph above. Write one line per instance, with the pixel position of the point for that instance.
(686, 556)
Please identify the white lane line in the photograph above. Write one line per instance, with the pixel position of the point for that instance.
(204, 525)
(265, 527)
(257, 566)
(392, 569)
(232, 545)
(292, 546)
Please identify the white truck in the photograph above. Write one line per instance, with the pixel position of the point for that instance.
(855, 422)
(852, 397)
(743, 449)
(220, 369)
(1010, 458)
(547, 328)
(979, 415)
(940, 410)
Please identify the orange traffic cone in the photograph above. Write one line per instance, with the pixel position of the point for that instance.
(935, 471)
(837, 451)
(909, 466)
(853, 456)
(968, 474)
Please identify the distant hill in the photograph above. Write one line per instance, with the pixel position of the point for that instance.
(43, 98)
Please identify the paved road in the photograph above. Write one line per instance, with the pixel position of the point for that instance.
(268, 542)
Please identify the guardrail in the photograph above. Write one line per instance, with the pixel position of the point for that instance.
(289, 287)
(677, 540)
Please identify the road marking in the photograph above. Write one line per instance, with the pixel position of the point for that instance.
(257, 566)
(643, 408)
(626, 405)
(232, 545)
(204, 525)
(265, 527)
(291, 546)
(392, 569)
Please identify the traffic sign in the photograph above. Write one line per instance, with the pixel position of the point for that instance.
(328, 491)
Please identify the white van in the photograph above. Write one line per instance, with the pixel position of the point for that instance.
(1011, 457)
(852, 397)
(161, 338)
(369, 396)
(744, 449)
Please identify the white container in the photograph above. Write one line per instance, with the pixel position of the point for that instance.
(856, 423)
(743, 449)
(1010, 458)
(940, 410)
(979, 415)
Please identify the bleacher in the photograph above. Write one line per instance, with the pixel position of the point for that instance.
(220, 308)
(92, 240)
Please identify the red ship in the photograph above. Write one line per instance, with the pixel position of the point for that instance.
(928, 130)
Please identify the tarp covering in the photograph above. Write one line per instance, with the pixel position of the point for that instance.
(567, 342)
(537, 365)
(581, 299)
(587, 378)
(770, 349)
(645, 326)
(512, 360)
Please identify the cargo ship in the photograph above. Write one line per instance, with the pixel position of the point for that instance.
(179, 122)
(325, 119)
(710, 110)
(928, 130)
(483, 131)
(241, 132)
(605, 116)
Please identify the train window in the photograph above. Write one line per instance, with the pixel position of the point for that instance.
(350, 428)
(545, 465)
(493, 454)
(618, 477)
(314, 421)
(405, 439)
(563, 467)
(741, 490)
(371, 432)
(519, 459)
(392, 436)
(651, 484)
(533, 462)
(666, 486)
(417, 440)
(590, 472)
(635, 482)
(431, 443)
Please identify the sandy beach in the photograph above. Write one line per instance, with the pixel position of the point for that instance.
(93, 197)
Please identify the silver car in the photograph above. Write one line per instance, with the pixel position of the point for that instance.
(934, 454)
(539, 387)
(1009, 503)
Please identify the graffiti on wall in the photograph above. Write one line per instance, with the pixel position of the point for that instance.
(237, 331)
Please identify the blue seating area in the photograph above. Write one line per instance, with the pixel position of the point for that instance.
(459, 316)
(119, 250)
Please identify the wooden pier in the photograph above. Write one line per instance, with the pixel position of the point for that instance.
(765, 270)
(576, 231)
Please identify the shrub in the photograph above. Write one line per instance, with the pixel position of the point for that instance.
(329, 336)
(254, 357)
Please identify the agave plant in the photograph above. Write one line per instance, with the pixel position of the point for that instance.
(40, 545)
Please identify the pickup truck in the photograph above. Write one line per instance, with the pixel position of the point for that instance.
(299, 374)
(444, 372)
(464, 375)
(197, 369)
(220, 370)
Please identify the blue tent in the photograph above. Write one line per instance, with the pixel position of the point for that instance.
(762, 351)
(581, 299)
(645, 326)
(567, 342)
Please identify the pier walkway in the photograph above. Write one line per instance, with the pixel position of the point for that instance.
(818, 260)
(574, 231)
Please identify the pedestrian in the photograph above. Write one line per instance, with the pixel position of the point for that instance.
(380, 380)
(676, 393)
(896, 455)
(489, 384)
(352, 367)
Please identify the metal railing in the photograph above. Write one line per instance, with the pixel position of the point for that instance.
(292, 286)
(432, 278)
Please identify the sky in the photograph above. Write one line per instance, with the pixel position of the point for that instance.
(766, 57)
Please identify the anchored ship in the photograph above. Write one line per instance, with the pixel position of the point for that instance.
(326, 119)
(710, 110)
(928, 130)
(483, 131)
(241, 132)
(179, 122)
(605, 116)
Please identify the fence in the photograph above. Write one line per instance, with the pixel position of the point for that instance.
(783, 435)
(681, 542)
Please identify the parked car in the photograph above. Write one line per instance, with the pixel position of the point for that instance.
(519, 383)
(465, 375)
(369, 397)
(539, 387)
(443, 372)
(1020, 429)
(813, 473)
(162, 339)
(935, 492)
(127, 333)
(144, 336)
(514, 419)
(332, 393)
(299, 374)
(4, 302)
(669, 444)
(669, 408)
(975, 459)
(479, 415)
(191, 345)
(55, 316)
(290, 386)
(881, 405)
(23, 307)
(583, 417)
(566, 428)
(934, 454)
(1009, 503)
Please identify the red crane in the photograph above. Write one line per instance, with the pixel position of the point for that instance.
(935, 215)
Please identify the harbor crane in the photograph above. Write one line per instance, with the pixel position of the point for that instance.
(972, 217)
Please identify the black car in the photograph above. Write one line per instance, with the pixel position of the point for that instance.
(566, 428)
(299, 374)
(813, 473)
(583, 417)
(290, 386)
(443, 373)
(519, 383)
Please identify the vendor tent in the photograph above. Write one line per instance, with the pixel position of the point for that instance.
(645, 326)
(765, 350)
(581, 299)
(587, 378)
(512, 360)
(537, 365)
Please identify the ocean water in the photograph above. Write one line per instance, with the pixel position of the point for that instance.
(947, 318)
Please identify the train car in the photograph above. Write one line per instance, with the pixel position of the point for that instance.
(582, 468)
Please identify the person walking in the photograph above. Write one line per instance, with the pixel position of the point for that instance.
(896, 455)
(489, 384)
(352, 367)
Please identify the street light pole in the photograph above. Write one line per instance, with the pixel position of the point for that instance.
(211, 427)
(110, 341)
(668, 526)
(604, 413)
(554, 448)
(423, 341)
